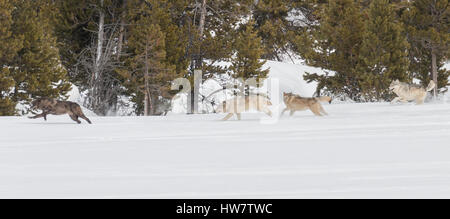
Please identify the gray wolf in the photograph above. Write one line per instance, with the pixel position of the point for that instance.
(296, 103)
(242, 104)
(410, 92)
(55, 107)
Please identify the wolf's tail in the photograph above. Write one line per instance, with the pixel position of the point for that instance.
(431, 86)
(324, 99)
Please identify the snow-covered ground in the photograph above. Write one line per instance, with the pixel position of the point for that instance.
(359, 151)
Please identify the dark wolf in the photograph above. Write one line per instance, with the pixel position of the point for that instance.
(50, 106)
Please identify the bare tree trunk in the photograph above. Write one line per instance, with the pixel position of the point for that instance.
(94, 96)
(153, 99)
(434, 71)
(198, 62)
(201, 26)
(121, 30)
(146, 104)
(146, 86)
(101, 36)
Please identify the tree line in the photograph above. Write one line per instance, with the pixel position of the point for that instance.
(135, 48)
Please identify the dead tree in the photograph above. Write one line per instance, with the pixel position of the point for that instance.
(99, 60)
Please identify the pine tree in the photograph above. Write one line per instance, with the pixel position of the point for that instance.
(7, 106)
(211, 26)
(247, 62)
(429, 34)
(37, 69)
(335, 45)
(383, 52)
(278, 22)
(271, 23)
(147, 74)
(167, 14)
(9, 45)
(73, 22)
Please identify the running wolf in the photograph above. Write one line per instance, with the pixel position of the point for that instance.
(55, 107)
(296, 103)
(242, 104)
(410, 92)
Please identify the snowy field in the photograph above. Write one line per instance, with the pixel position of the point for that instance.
(359, 151)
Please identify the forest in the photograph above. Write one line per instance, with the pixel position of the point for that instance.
(134, 49)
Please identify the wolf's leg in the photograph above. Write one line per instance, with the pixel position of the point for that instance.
(238, 116)
(322, 110)
(316, 110)
(85, 118)
(45, 113)
(37, 116)
(268, 112)
(292, 113)
(75, 118)
(228, 117)
(285, 110)
(396, 100)
(421, 100)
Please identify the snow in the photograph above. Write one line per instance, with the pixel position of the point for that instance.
(447, 66)
(373, 150)
(359, 151)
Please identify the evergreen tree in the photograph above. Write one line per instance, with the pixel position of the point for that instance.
(428, 30)
(335, 44)
(147, 74)
(7, 106)
(271, 23)
(421, 66)
(246, 63)
(210, 28)
(167, 15)
(278, 22)
(74, 27)
(37, 69)
(383, 52)
(9, 45)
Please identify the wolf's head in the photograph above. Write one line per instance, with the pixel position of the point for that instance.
(326, 99)
(395, 85)
(287, 96)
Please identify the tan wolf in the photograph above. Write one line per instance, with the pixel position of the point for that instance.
(242, 104)
(410, 92)
(55, 107)
(296, 103)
